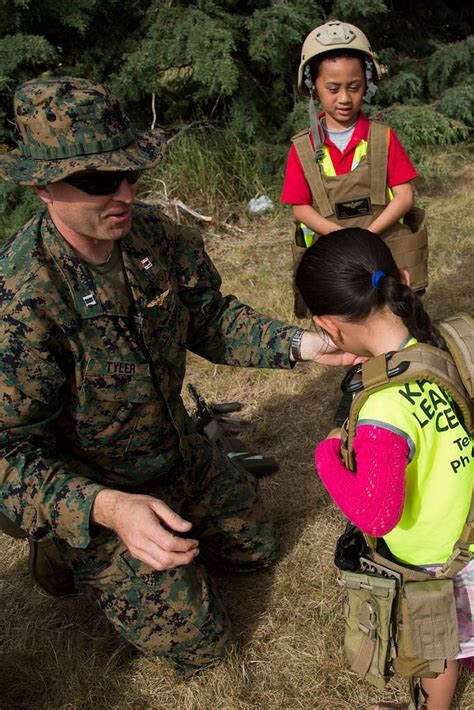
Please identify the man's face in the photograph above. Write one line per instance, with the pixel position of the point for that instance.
(81, 216)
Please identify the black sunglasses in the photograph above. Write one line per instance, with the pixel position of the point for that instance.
(102, 182)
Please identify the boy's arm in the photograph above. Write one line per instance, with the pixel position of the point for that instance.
(308, 215)
(398, 207)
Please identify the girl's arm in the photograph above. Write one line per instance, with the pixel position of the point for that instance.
(372, 498)
(398, 207)
(308, 215)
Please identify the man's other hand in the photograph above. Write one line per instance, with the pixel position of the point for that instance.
(138, 521)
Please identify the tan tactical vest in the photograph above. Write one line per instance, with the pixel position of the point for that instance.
(355, 199)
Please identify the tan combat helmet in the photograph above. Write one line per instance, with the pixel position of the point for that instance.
(330, 36)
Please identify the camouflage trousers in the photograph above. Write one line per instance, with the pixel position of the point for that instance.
(178, 614)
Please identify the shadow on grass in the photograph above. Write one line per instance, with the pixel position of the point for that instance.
(57, 653)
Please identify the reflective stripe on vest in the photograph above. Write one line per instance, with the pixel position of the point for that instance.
(327, 165)
(360, 152)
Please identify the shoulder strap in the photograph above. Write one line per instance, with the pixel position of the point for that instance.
(418, 362)
(312, 172)
(378, 153)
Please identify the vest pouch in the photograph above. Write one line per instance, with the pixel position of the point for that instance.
(369, 612)
(409, 246)
(428, 628)
(298, 248)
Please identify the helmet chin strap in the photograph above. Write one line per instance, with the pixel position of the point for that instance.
(317, 130)
(371, 86)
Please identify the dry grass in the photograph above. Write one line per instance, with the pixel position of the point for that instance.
(61, 654)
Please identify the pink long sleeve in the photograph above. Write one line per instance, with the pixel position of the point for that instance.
(373, 497)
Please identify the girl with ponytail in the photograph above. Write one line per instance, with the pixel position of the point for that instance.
(405, 489)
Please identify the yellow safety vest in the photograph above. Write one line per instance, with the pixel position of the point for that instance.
(439, 475)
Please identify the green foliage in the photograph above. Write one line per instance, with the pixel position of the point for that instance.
(209, 168)
(234, 64)
(450, 64)
(458, 102)
(419, 127)
(353, 9)
(405, 86)
(18, 53)
(18, 205)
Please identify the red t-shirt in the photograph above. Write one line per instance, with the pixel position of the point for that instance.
(296, 190)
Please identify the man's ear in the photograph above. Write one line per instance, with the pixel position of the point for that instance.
(405, 277)
(43, 193)
(329, 324)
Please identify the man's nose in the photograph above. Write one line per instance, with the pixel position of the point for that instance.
(126, 191)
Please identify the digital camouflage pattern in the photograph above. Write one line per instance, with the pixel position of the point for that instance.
(85, 380)
(66, 125)
(178, 614)
(90, 398)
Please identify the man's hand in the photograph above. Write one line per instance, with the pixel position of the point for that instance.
(137, 520)
(322, 350)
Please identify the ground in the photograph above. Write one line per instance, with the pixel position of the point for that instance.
(288, 621)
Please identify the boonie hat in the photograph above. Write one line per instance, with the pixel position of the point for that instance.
(67, 125)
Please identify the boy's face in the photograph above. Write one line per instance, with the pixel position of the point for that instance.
(340, 86)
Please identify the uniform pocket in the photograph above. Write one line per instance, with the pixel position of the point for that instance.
(117, 380)
(112, 396)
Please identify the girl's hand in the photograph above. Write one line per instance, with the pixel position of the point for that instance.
(334, 433)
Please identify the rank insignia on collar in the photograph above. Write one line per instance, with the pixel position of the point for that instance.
(146, 263)
(89, 300)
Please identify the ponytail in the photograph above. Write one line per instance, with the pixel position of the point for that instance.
(406, 305)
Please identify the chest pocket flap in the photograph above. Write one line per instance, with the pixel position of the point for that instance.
(117, 380)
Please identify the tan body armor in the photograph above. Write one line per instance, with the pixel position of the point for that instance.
(399, 619)
(357, 198)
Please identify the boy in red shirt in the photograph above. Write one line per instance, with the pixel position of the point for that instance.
(348, 171)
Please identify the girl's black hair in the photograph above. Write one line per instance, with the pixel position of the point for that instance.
(335, 278)
(315, 63)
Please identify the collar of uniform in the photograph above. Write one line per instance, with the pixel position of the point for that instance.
(88, 299)
(361, 132)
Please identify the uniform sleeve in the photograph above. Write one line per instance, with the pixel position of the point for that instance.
(399, 166)
(221, 328)
(40, 492)
(372, 498)
(296, 190)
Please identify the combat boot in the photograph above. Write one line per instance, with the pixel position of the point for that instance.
(45, 563)
(49, 570)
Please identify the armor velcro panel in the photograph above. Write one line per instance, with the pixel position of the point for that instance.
(458, 332)
(410, 248)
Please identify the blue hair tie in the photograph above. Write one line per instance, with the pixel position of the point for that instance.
(376, 276)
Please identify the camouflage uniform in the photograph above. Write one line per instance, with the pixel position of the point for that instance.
(91, 399)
